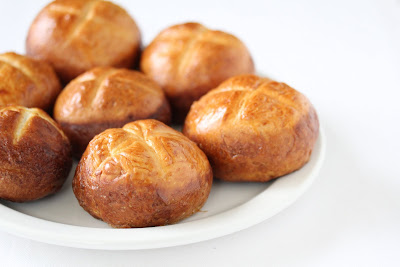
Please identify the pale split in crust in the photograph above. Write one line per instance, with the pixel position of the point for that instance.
(35, 154)
(253, 129)
(144, 174)
(26, 117)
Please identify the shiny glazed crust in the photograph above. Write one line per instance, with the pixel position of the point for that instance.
(144, 174)
(253, 129)
(105, 98)
(35, 155)
(188, 60)
(77, 35)
(27, 82)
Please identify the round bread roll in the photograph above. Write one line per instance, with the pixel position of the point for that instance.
(27, 82)
(35, 155)
(104, 98)
(77, 35)
(253, 129)
(188, 60)
(144, 174)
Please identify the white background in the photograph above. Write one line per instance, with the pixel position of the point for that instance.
(345, 56)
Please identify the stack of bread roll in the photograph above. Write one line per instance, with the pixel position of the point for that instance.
(113, 114)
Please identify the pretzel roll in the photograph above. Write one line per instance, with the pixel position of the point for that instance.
(27, 82)
(35, 155)
(253, 129)
(188, 60)
(77, 35)
(145, 174)
(105, 98)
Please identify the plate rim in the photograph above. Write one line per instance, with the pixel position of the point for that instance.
(30, 227)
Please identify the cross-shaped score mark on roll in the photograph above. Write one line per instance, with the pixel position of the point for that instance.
(84, 15)
(7, 60)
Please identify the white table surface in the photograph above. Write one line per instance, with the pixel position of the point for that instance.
(345, 56)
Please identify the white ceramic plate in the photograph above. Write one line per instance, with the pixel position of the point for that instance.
(231, 207)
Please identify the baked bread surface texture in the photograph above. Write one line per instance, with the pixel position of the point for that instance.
(35, 155)
(27, 82)
(106, 97)
(144, 174)
(188, 60)
(77, 35)
(253, 128)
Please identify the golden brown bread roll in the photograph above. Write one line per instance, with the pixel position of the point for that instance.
(77, 35)
(27, 82)
(188, 60)
(105, 98)
(253, 129)
(35, 155)
(145, 174)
